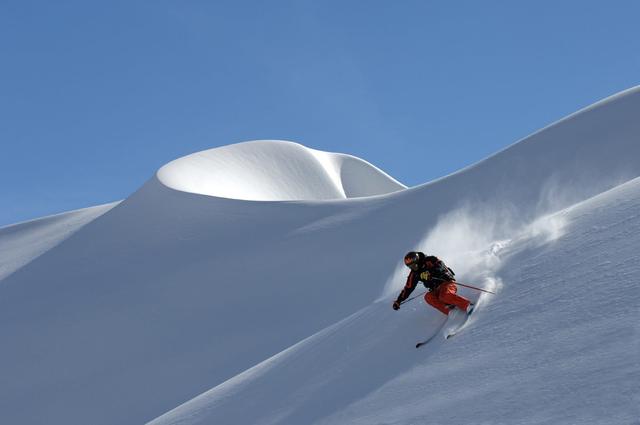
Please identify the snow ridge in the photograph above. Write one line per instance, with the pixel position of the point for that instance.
(276, 171)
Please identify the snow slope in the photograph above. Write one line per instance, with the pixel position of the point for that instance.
(560, 345)
(556, 347)
(191, 298)
(21, 243)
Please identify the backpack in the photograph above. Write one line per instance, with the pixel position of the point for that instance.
(441, 271)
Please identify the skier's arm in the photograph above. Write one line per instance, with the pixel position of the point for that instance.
(412, 282)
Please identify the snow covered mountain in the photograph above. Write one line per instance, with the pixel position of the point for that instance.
(251, 284)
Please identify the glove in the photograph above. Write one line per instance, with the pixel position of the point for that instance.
(396, 305)
(425, 276)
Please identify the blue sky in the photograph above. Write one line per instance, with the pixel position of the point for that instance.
(96, 96)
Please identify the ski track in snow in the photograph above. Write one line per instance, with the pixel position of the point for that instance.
(218, 295)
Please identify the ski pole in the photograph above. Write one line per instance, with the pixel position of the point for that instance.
(473, 287)
(466, 286)
(415, 296)
(444, 280)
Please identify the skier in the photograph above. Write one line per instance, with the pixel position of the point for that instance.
(436, 277)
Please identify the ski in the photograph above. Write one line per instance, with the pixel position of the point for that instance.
(421, 343)
(450, 330)
(453, 332)
(426, 341)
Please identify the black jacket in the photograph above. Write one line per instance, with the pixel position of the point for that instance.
(438, 271)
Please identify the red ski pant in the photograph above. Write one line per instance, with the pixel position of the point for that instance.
(444, 295)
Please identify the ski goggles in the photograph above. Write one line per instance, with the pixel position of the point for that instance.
(412, 262)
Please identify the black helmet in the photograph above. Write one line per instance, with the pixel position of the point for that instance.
(413, 259)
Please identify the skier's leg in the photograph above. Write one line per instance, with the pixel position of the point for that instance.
(432, 299)
(447, 295)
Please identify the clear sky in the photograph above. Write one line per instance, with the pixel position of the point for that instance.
(95, 96)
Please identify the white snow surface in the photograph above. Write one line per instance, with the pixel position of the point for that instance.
(22, 242)
(280, 171)
(190, 303)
